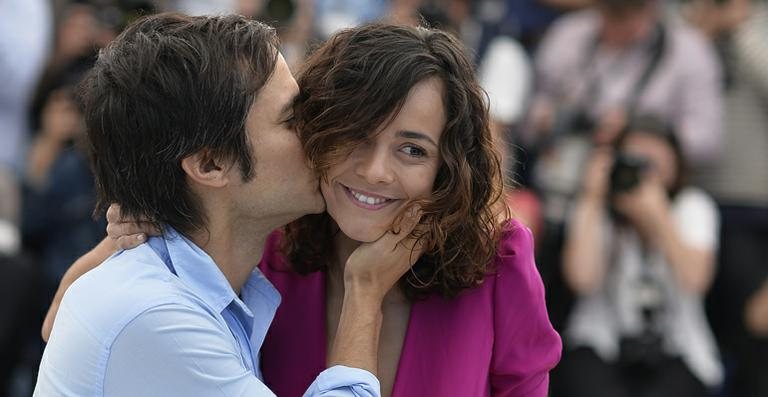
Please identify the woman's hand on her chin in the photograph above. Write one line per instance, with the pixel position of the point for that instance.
(370, 272)
(374, 268)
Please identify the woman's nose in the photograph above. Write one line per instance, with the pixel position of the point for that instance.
(374, 165)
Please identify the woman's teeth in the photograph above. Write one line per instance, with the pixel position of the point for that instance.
(367, 200)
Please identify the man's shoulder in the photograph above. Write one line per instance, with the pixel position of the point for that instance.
(689, 44)
(124, 286)
(97, 308)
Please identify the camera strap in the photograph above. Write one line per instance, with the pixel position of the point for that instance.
(656, 52)
(646, 290)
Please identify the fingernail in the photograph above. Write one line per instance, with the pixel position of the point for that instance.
(140, 237)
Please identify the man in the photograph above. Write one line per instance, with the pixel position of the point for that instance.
(187, 124)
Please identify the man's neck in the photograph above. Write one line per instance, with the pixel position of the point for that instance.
(235, 249)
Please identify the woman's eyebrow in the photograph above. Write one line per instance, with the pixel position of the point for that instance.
(416, 135)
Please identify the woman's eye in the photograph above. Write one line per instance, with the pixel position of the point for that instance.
(414, 151)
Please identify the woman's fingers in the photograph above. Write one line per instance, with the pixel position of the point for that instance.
(127, 232)
(411, 243)
(403, 245)
(127, 235)
(378, 265)
(117, 230)
(130, 241)
(402, 236)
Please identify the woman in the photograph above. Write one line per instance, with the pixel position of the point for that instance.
(640, 257)
(393, 117)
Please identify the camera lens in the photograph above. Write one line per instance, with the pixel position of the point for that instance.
(627, 172)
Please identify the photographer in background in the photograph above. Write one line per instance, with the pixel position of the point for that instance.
(639, 254)
(596, 69)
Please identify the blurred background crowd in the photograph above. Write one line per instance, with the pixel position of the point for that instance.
(634, 134)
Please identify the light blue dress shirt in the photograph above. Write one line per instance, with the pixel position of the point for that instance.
(162, 320)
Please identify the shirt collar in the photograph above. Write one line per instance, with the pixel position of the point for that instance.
(198, 271)
(263, 299)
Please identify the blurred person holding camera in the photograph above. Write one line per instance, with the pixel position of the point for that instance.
(595, 69)
(639, 254)
(739, 182)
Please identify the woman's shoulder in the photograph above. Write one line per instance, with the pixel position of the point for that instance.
(519, 306)
(514, 264)
(516, 240)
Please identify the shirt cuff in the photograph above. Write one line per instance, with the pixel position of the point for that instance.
(347, 381)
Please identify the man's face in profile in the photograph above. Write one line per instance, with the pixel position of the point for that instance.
(284, 187)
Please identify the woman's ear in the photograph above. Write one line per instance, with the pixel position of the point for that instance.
(206, 169)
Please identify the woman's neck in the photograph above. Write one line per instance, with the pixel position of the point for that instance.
(343, 247)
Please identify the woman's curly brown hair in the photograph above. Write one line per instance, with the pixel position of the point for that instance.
(357, 82)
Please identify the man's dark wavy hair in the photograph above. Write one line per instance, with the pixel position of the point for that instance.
(357, 82)
(167, 87)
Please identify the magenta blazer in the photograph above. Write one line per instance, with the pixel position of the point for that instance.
(492, 340)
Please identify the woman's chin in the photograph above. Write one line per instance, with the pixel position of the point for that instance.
(363, 234)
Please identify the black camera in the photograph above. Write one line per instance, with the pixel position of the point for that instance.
(627, 172)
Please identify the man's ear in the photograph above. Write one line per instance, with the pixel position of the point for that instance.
(206, 169)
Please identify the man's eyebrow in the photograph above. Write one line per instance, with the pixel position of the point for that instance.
(416, 135)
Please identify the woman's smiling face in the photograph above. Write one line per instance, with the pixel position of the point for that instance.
(367, 190)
